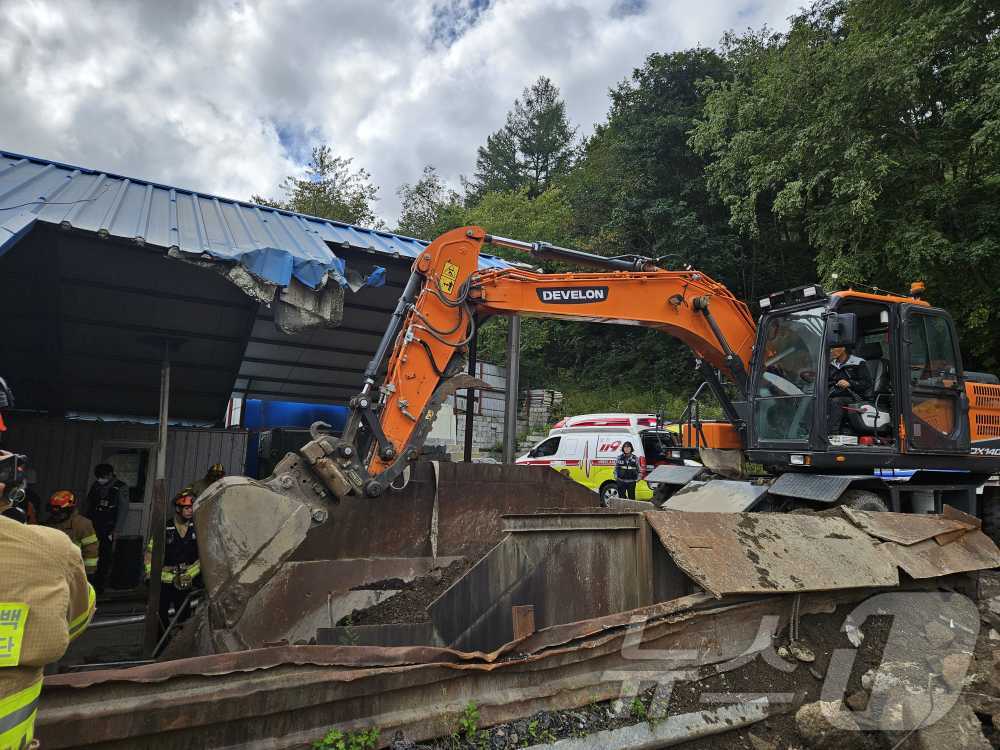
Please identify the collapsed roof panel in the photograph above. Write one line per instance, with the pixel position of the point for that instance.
(766, 553)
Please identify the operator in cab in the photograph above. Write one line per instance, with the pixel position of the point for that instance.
(850, 383)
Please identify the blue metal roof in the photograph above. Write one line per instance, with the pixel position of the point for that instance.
(273, 244)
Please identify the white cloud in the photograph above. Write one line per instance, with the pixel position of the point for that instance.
(219, 97)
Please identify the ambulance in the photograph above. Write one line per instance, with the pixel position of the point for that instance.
(585, 447)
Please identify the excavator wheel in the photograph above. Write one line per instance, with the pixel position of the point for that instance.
(863, 500)
(663, 492)
(990, 513)
(608, 493)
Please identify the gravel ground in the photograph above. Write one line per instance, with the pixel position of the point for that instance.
(820, 632)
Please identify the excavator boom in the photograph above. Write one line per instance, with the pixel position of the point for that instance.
(422, 351)
(422, 356)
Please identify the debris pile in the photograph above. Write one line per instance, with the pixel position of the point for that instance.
(410, 604)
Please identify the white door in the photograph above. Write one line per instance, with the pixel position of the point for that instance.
(568, 454)
(135, 464)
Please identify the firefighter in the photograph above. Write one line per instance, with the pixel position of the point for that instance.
(181, 570)
(45, 602)
(107, 508)
(214, 474)
(627, 471)
(64, 517)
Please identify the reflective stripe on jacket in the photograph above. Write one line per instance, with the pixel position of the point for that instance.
(181, 555)
(81, 532)
(17, 717)
(627, 468)
(44, 578)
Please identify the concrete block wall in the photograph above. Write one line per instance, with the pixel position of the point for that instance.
(534, 413)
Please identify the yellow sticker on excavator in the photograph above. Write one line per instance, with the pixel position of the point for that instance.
(448, 276)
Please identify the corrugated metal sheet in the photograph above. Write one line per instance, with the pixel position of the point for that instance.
(63, 453)
(288, 697)
(275, 245)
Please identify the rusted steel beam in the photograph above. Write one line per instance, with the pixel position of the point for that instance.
(289, 696)
(524, 620)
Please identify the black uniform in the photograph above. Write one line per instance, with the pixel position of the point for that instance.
(107, 508)
(855, 372)
(627, 474)
(180, 561)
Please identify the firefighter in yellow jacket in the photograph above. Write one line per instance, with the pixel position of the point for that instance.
(63, 516)
(45, 602)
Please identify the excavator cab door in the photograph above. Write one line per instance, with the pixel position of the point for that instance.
(784, 381)
(934, 405)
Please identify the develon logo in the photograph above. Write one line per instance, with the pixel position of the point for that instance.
(572, 295)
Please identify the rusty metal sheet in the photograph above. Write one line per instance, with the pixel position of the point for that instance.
(471, 500)
(821, 488)
(716, 496)
(297, 701)
(903, 528)
(767, 553)
(930, 559)
(672, 474)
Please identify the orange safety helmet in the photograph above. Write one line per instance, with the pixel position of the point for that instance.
(184, 500)
(62, 500)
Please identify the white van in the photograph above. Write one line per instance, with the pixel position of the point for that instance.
(585, 447)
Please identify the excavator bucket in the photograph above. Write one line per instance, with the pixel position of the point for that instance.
(280, 562)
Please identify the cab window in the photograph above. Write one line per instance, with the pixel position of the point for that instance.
(783, 406)
(932, 352)
(546, 448)
(656, 446)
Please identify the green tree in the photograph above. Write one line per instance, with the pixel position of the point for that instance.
(426, 206)
(533, 148)
(514, 214)
(639, 188)
(869, 131)
(330, 190)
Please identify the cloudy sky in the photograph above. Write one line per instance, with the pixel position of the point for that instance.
(228, 96)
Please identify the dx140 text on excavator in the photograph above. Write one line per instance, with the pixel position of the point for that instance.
(923, 415)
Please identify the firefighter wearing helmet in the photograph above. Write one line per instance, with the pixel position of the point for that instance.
(64, 517)
(214, 474)
(45, 602)
(181, 571)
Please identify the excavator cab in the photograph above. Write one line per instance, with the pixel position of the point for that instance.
(914, 398)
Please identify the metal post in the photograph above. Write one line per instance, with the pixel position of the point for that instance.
(470, 398)
(513, 371)
(158, 517)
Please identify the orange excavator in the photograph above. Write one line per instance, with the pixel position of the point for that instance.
(925, 433)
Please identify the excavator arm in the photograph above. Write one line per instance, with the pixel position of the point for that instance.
(422, 350)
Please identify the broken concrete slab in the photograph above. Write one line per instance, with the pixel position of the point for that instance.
(827, 725)
(959, 728)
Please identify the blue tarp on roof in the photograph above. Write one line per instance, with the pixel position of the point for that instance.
(272, 244)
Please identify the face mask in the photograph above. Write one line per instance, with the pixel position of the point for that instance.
(103, 480)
